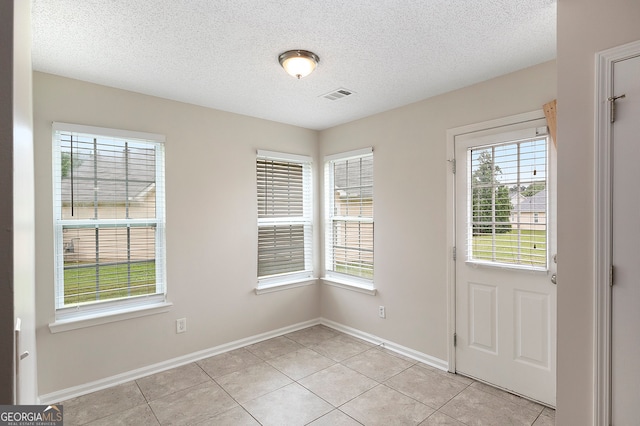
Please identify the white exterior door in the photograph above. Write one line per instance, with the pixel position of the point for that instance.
(505, 246)
(625, 307)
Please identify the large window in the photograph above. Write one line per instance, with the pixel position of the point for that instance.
(284, 218)
(109, 219)
(349, 204)
(508, 209)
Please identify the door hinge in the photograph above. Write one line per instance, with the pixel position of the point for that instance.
(455, 339)
(611, 276)
(453, 165)
(612, 106)
(455, 256)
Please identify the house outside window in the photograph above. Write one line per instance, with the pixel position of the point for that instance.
(285, 213)
(349, 212)
(109, 220)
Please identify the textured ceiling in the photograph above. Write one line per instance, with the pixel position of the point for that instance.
(223, 54)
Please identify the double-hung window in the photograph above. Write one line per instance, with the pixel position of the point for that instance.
(284, 218)
(109, 220)
(349, 215)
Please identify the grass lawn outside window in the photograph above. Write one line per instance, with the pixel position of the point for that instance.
(524, 247)
(87, 283)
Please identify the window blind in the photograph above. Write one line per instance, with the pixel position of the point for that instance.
(109, 217)
(508, 208)
(284, 215)
(349, 239)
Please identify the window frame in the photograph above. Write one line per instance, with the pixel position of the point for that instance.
(516, 134)
(331, 276)
(280, 281)
(121, 308)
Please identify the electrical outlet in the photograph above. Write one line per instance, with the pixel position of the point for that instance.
(181, 325)
(381, 312)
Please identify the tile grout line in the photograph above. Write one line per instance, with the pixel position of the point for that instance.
(147, 402)
(507, 399)
(335, 362)
(451, 399)
(367, 364)
(225, 391)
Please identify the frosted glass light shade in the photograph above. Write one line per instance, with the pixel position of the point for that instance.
(298, 63)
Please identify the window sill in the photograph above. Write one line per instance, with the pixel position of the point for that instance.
(91, 320)
(507, 266)
(284, 285)
(350, 285)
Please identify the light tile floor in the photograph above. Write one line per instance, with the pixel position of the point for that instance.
(316, 376)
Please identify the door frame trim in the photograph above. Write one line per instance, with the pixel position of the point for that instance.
(602, 232)
(451, 213)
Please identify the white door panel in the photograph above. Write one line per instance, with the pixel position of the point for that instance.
(532, 328)
(625, 308)
(505, 313)
(483, 317)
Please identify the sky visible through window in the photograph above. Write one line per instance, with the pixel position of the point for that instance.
(530, 168)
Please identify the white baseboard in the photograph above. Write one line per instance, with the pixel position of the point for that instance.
(402, 350)
(75, 391)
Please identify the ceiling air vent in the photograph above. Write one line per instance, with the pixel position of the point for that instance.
(338, 94)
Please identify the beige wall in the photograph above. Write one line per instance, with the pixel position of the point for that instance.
(113, 242)
(207, 256)
(528, 221)
(409, 146)
(584, 28)
(409, 269)
(211, 266)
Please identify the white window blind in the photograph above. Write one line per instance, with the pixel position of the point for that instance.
(284, 217)
(508, 208)
(109, 219)
(349, 202)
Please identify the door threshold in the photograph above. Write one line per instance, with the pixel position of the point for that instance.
(484, 382)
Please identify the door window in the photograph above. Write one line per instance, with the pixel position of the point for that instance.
(507, 188)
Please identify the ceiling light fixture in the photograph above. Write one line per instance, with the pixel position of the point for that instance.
(298, 63)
